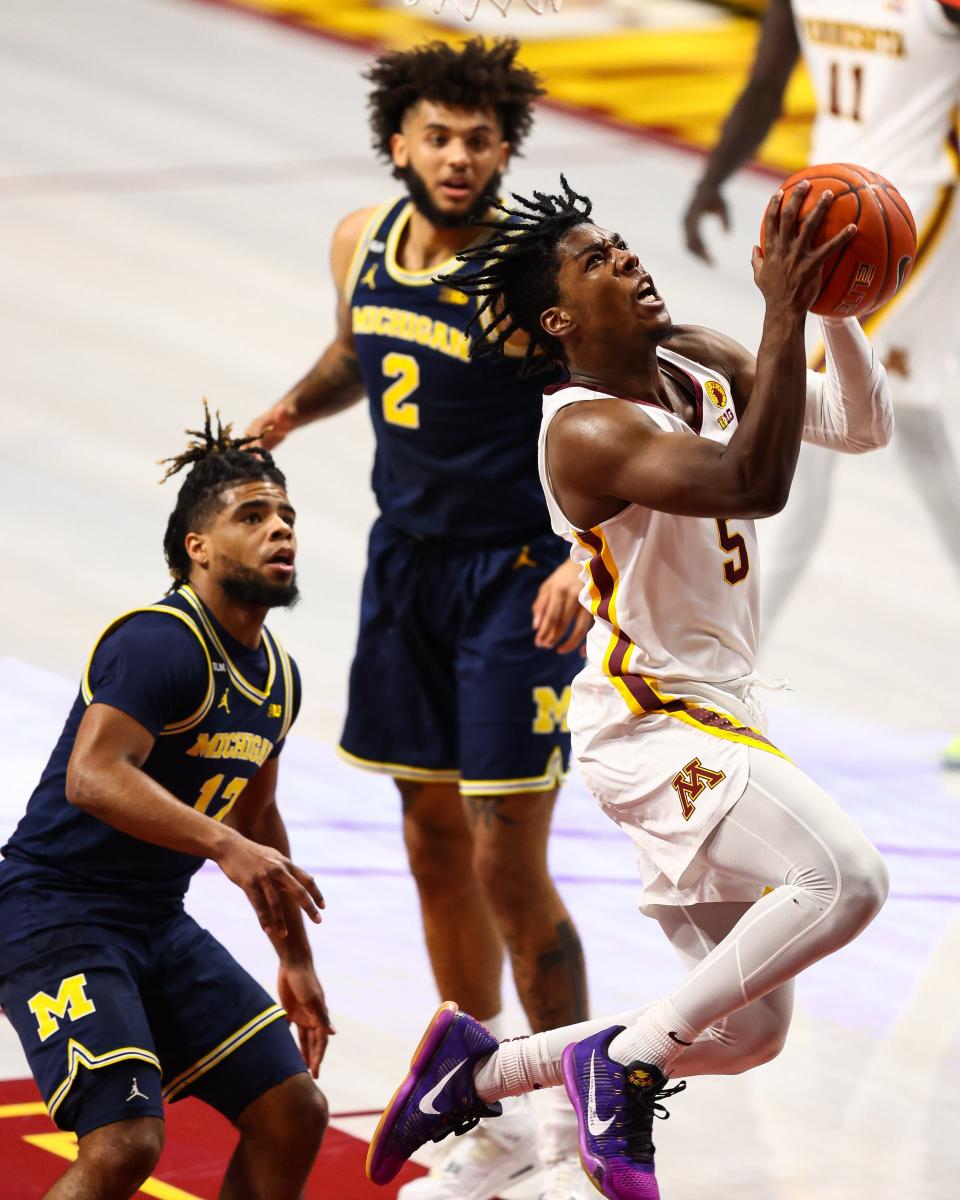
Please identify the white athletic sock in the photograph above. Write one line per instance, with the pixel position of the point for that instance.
(521, 1065)
(649, 1039)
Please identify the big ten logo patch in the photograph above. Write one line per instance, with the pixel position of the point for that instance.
(690, 783)
(70, 1001)
(551, 709)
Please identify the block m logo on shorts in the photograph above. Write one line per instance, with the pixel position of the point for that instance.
(551, 709)
(71, 1001)
(691, 781)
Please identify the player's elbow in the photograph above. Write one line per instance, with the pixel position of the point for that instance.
(81, 785)
(763, 497)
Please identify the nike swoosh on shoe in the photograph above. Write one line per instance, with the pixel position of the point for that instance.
(426, 1102)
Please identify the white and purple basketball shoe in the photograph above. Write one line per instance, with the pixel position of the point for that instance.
(437, 1097)
(615, 1107)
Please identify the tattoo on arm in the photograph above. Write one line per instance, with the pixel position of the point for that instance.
(334, 383)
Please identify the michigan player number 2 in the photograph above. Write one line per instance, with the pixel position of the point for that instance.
(737, 567)
(398, 408)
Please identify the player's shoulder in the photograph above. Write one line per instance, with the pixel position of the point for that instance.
(350, 233)
(156, 629)
(711, 349)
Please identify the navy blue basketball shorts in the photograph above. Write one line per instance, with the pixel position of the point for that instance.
(447, 684)
(114, 1027)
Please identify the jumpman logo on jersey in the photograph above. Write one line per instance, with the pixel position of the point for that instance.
(369, 277)
(135, 1092)
(524, 559)
(225, 701)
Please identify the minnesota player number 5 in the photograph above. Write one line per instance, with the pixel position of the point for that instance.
(737, 567)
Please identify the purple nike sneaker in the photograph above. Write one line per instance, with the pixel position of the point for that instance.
(615, 1107)
(438, 1095)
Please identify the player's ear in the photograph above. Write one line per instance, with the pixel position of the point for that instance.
(556, 321)
(198, 547)
(398, 150)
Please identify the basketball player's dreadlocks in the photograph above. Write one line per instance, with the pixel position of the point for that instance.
(476, 74)
(518, 273)
(216, 461)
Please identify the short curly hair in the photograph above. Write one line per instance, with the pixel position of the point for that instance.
(477, 74)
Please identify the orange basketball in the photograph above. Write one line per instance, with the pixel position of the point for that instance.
(867, 271)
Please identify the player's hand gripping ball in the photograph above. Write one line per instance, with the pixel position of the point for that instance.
(869, 269)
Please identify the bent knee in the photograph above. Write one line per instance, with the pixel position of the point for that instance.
(292, 1114)
(864, 886)
(764, 1047)
(124, 1153)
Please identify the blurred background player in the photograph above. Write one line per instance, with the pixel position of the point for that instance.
(169, 757)
(753, 872)
(887, 82)
(469, 615)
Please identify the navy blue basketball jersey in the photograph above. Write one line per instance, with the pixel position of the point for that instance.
(456, 449)
(217, 710)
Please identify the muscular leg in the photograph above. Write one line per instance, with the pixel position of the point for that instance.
(280, 1134)
(830, 880)
(466, 952)
(510, 834)
(112, 1161)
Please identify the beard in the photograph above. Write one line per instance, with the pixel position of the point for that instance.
(423, 202)
(247, 586)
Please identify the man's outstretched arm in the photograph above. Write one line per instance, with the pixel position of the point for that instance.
(748, 123)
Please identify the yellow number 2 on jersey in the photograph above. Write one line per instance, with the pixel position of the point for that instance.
(398, 408)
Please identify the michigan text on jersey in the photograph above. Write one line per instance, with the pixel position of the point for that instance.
(251, 747)
(408, 326)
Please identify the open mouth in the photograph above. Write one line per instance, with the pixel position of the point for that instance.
(456, 189)
(645, 292)
(282, 560)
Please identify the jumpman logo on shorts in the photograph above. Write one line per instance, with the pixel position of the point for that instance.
(135, 1092)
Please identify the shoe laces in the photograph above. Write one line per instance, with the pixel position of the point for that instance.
(457, 1125)
(643, 1104)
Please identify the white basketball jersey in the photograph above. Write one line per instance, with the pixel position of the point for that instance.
(674, 598)
(887, 78)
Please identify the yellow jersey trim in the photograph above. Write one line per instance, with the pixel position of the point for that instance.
(243, 685)
(758, 743)
(370, 231)
(175, 726)
(553, 775)
(286, 672)
(216, 1056)
(399, 770)
(401, 274)
(79, 1056)
(421, 278)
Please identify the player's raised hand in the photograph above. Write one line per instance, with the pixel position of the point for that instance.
(707, 199)
(789, 270)
(265, 876)
(301, 994)
(271, 427)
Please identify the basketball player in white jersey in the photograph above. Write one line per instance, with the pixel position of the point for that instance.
(886, 74)
(656, 457)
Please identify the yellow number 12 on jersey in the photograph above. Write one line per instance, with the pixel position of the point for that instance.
(398, 408)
